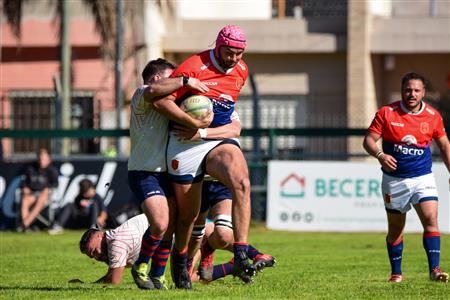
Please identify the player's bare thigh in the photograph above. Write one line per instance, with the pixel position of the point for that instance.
(428, 215)
(226, 162)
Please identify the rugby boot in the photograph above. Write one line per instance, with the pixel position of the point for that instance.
(206, 268)
(141, 278)
(159, 282)
(395, 278)
(180, 273)
(242, 266)
(262, 261)
(438, 275)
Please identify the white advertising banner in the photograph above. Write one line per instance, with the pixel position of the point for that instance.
(338, 196)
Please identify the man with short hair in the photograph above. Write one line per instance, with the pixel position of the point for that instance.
(224, 71)
(147, 175)
(39, 178)
(407, 128)
(87, 210)
(118, 248)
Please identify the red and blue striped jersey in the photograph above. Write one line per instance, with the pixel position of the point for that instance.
(224, 85)
(407, 136)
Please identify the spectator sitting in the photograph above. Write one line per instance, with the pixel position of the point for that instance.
(39, 178)
(86, 211)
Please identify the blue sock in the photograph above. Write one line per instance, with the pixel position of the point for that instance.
(238, 249)
(148, 247)
(159, 259)
(432, 246)
(252, 252)
(180, 257)
(222, 270)
(395, 251)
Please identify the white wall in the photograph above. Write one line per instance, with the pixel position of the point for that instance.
(338, 196)
(224, 9)
(380, 8)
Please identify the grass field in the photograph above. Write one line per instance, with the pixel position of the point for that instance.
(310, 266)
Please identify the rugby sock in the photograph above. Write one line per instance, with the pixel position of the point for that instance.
(395, 251)
(432, 246)
(148, 247)
(159, 259)
(180, 257)
(252, 252)
(222, 270)
(207, 250)
(189, 264)
(239, 248)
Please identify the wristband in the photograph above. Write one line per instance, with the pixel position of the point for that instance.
(203, 133)
(379, 153)
(185, 80)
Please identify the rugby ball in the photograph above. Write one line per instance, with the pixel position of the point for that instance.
(197, 106)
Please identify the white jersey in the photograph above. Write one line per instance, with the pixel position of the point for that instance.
(149, 134)
(124, 242)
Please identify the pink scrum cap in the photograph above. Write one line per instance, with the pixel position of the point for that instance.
(232, 36)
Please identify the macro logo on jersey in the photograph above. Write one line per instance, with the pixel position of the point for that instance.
(408, 140)
(293, 186)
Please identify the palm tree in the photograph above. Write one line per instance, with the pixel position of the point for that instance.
(104, 13)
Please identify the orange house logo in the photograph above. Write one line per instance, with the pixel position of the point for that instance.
(293, 186)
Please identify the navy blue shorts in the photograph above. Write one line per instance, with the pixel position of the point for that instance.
(213, 192)
(145, 184)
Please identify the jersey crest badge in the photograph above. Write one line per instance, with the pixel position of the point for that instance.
(175, 164)
(424, 127)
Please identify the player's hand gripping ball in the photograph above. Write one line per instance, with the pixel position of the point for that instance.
(197, 106)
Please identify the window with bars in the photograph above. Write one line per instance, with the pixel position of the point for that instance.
(37, 110)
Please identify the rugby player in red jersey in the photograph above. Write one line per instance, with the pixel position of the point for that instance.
(407, 128)
(224, 72)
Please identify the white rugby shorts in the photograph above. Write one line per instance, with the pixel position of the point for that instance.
(401, 193)
(184, 159)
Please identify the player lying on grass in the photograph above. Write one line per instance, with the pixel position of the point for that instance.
(217, 199)
(118, 248)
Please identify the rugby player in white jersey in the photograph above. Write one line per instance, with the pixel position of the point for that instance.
(147, 175)
(118, 248)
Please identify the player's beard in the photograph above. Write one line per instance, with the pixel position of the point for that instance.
(226, 65)
(413, 105)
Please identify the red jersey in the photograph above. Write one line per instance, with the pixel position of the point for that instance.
(224, 85)
(407, 136)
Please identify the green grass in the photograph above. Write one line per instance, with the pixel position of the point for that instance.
(310, 266)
